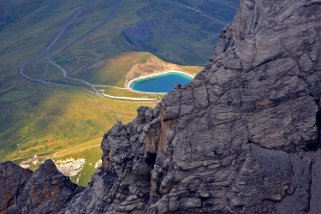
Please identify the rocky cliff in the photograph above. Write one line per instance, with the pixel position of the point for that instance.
(44, 191)
(243, 137)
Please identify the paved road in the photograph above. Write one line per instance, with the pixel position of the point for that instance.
(64, 72)
(51, 44)
(40, 55)
(128, 98)
(47, 49)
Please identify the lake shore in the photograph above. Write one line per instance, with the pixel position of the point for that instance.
(130, 82)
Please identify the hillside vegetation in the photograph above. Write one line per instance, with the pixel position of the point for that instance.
(53, 53)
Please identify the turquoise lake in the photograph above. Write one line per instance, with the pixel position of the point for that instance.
(161, 83)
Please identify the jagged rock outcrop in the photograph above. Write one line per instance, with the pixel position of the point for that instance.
(243, 137)
(44, 191)
(12, 178)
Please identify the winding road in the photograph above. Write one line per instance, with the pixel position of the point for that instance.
(65, 75)
(43, 56)
(47, 49)
(52, 43)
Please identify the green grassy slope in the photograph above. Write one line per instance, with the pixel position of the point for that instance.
(62, 118)
(93, 41)
(58, 121)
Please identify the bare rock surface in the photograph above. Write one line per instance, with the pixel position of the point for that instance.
(12, 179)
(44, 191)
(243, 137)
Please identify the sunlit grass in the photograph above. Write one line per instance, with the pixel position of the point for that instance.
(66, 118)
(44, 120)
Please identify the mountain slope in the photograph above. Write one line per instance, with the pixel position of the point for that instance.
(243, 137)
(66, 122)
(43, 41)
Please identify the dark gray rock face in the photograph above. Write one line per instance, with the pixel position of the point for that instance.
(243, 137)
(12, 178)
(123, 184)
(44, 191)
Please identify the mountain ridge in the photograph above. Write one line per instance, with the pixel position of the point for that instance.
(243, 137)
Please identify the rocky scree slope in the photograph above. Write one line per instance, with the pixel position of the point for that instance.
(243, 137)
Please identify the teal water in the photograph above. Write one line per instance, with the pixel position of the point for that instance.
(160, 83)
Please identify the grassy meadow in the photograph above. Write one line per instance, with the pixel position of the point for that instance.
(93, 42)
